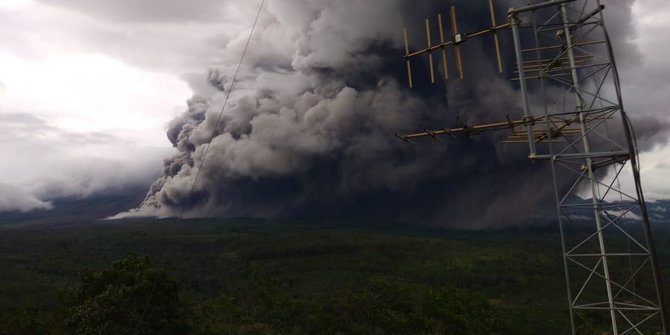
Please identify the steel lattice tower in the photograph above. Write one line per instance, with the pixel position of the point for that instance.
(564, 58)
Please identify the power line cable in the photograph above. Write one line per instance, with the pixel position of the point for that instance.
(204, 157)
(225, 101)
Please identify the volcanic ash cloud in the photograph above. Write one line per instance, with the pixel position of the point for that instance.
(308, 130)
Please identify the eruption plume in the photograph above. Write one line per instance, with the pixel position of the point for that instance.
(308, 132)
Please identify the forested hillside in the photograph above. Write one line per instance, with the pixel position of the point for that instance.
(260, 277)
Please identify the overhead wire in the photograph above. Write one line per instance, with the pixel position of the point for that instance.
(204, 156)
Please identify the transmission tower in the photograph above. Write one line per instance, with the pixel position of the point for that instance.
(564, 58)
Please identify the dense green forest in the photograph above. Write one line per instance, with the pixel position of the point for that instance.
(263, 277)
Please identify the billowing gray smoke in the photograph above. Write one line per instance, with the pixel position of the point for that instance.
(308, 132)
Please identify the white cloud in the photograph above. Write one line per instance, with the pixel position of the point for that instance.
(45, 162)
(76, 118)
(654, 168)
(16, 198)
(15, 4)
(89, 92)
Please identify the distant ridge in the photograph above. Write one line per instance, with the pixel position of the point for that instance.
(75, 210)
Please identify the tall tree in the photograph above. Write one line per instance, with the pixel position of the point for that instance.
(130, 297)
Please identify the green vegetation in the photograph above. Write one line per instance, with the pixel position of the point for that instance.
(130, 297)
(258, 277)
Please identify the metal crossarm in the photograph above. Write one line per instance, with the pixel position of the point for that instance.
(582, 132)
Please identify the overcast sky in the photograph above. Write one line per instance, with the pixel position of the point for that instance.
(87, 88)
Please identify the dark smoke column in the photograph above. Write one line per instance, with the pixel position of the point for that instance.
(308, 132)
